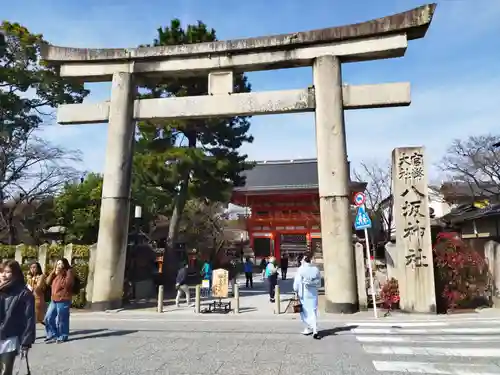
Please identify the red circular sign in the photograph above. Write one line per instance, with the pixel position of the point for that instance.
(359, 199)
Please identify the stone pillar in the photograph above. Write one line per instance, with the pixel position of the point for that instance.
(89, 288)
(391, 260)
(336, 223)
(413, 235)
(359, 254)
(18, 255)
(492, 255)
(68, 252)
(115, 206)
(42, 256)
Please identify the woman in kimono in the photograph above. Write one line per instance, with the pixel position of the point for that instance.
(305, 285)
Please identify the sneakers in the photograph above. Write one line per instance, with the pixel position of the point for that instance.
(316, 336)
(307, 331)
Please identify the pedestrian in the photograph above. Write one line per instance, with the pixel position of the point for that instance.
(284, 265)
(263, 265)
(181, 285)
(37, 286)
(206, 274)
(248, 269)
(61, 281)
(272, 277)
(17, 312)
(305, 285)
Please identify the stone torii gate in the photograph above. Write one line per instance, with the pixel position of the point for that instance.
(325, 50)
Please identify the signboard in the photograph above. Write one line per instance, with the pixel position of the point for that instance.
(359, 199)
(220, 283)
(362, 220)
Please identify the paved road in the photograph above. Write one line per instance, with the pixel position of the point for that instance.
(114, 344)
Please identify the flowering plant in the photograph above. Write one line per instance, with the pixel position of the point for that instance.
(390, 294)
(461, 272)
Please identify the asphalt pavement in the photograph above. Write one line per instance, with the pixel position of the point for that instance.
(148, 343)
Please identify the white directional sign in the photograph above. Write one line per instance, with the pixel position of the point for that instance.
(362, 220)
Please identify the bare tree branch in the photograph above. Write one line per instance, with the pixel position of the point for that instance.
(31, 170)
(474, 162)
(378, 193)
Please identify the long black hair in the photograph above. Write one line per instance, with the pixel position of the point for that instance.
(15, 268)
(65, 263)
(38, 268)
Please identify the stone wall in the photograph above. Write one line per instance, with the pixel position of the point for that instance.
(79, 257)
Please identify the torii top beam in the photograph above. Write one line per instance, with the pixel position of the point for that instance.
(414, 23)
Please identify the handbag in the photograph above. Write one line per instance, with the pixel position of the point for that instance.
(297, 306)
(23, 358)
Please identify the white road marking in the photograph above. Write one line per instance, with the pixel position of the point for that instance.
(429, 339)
(433, 351)
(393, 331)
(398, 324)
(436, 368)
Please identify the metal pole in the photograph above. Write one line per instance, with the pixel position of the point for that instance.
(236, 299)
(160, 298)
(197, 299)
(370, 271)
(277, 301)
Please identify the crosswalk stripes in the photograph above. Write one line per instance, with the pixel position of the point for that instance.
(455, 348)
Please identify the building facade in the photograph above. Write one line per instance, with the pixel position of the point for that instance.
(281, 202)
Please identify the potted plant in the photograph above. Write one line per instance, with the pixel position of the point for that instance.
(390, 295)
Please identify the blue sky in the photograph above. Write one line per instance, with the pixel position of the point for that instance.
(453, 71)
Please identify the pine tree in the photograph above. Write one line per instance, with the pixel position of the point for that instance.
(195, 158)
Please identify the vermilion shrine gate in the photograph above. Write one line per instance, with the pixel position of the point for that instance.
(325, 50)
(284, 215)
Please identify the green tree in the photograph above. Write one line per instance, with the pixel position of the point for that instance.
(31, 169)
(195, 158)
(78, 207)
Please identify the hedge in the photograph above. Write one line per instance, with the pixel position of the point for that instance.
(79, 259)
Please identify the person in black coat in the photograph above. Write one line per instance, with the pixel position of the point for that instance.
(284, 265)
(17, 316)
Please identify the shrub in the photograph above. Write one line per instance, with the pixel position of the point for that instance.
(390, 294)
(462, 277)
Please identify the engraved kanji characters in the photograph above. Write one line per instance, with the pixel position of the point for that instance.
(415, 258)
(410, 167)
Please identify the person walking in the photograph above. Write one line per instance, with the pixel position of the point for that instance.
(263, 266)
(284, 265)
(61, 281)
(17, 316)
(181, 285)
(248, 269)
(36, 284)
(272, 277)
(206, 274)
(305, 285)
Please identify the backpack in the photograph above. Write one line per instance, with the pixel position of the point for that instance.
(77, 285)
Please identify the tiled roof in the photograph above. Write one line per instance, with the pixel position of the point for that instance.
(468, 212)
(282, 175)
(452, 190)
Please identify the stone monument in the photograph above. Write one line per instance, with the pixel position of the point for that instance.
(414, 262)
(325, 50)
